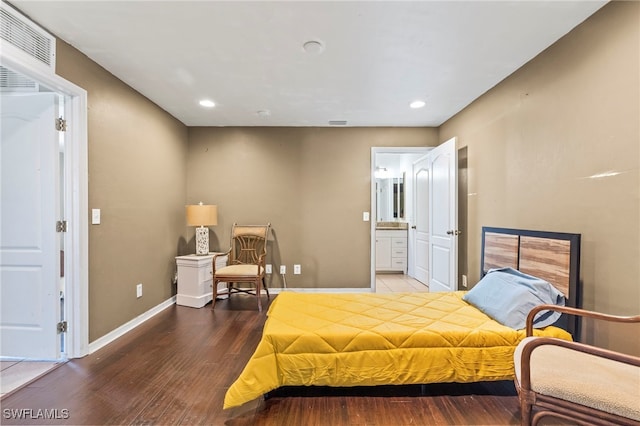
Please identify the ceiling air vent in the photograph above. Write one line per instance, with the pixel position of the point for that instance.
(13, 82)
(31, 41)
(337, 122)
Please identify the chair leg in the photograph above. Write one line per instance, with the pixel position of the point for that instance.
(525, 412)
(258, 295)
(214, 294)
(264, 284)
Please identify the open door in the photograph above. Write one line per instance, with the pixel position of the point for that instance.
(29, 241)
(436, 216)
(443, 218)
(421, 215)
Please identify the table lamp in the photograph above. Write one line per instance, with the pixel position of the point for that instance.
(202, 215)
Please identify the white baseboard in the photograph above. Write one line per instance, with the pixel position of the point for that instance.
(124, 328)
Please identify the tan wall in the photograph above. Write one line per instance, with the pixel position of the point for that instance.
(534, 140)
(137, 177)
(312, 184)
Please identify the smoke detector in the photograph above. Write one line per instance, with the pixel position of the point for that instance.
(313, 47)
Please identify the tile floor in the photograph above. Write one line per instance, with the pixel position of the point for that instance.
(14, 374)
(398, 283)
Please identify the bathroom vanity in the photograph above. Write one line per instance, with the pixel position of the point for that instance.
(391, 248)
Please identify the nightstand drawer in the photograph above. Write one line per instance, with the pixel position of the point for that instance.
(205, 272)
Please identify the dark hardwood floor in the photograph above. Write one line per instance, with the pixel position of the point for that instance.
(177, 366)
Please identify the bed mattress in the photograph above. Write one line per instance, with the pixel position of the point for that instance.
(368, 339)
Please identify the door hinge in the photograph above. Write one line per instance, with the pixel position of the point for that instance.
(61, 124)
(61, 226)
(62, 327)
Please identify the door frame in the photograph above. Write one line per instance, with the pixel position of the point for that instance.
(373, 212)
(76, 259)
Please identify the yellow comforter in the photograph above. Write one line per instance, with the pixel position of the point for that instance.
(370, 339)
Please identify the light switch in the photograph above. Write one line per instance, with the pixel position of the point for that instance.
(95, 216)
(365, 216)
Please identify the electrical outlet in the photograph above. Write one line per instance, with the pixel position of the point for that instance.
(268, 268)
(139, 290)
(283, 269)
(464, 281)
(297, 269)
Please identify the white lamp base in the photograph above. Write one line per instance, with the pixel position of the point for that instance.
(202, 241)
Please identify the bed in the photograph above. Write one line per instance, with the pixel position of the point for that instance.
(368, 339)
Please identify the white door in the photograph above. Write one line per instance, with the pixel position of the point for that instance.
(421, 226)
(29, 243)
(443, 218)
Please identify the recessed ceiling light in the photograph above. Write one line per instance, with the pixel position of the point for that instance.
(417, 104)
(313, 46)
(207, 103)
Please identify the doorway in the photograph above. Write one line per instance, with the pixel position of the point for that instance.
(392, 202)
(430, 181)
(32, 217)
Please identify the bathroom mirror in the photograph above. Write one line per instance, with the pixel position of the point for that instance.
(390, 199)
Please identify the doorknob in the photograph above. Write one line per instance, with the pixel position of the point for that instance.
(450, 232)
(413, 227)
(454, 232)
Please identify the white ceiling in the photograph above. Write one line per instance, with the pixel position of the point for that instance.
(377, 56)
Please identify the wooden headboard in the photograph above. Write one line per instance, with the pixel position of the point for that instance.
(551, 256)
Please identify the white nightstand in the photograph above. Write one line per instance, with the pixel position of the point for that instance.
(195, 279)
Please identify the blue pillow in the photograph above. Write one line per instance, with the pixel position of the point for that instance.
(507, 296)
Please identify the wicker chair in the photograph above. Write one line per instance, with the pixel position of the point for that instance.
(576, 382)
(246, 263)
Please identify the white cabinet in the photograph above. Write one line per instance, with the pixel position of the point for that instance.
(391, 250)
(195, 279)
(383, 253)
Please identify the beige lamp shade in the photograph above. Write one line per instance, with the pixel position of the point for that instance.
(202, 215)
